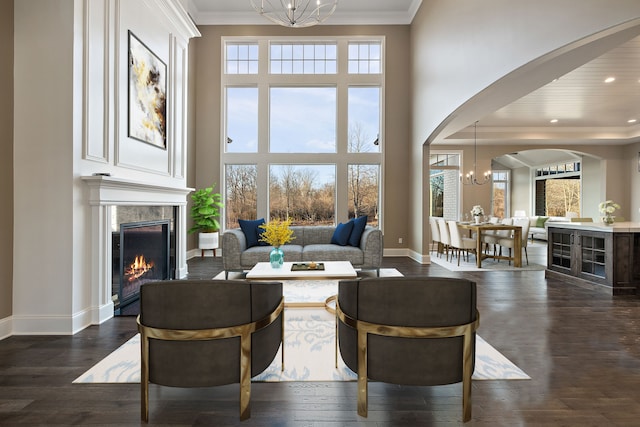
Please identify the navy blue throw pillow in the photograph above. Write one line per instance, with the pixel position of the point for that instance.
(358, 227)
(342, 233)
(251, 230)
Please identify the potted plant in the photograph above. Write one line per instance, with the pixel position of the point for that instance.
(205, 213)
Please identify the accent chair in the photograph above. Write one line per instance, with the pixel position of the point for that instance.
(408, 330)
(203, 333)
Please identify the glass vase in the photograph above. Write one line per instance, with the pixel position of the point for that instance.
(276, 257)
(608, 219)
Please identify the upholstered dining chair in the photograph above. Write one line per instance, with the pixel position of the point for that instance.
(408, 330)
(509, 242)
(460, 243)
(445, 238)
(203, 333)
(490, 238)
(435, 235)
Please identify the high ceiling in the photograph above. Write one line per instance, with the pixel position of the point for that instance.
(587, 109)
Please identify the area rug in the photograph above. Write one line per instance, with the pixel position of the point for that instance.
(490, 264)
(309, 356)
(314, 291)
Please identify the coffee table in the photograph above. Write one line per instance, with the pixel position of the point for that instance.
(332, 270)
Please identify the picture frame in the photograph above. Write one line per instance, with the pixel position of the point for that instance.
(147, 94)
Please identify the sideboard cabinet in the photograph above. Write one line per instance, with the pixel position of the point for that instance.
(597, 254)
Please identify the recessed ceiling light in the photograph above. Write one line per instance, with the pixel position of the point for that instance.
(609, 79)
(632, 121)
(554, 120)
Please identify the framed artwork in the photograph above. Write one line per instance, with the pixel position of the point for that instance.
(147, 112)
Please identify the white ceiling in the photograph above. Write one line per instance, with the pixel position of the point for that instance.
(588, 110)
(348, 12)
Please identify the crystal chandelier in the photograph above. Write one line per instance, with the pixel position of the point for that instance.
(471, 177)
(295, 13)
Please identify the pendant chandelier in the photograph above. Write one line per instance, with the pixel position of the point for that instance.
(471, 177)
(295, 13)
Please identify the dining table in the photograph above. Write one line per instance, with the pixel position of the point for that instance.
(483, 227)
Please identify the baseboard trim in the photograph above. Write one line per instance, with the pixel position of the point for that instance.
(6, 327)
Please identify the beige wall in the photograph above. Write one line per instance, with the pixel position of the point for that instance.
(207, 50)
(6, 157)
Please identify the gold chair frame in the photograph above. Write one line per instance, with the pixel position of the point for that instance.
(365, 328)
(243, 331)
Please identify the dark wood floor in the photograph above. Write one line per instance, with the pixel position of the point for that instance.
(580, 346)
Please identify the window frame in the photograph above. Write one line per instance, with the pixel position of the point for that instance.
(342, 80)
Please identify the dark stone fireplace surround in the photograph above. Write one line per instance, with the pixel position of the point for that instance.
(131, 218)
(108, 198)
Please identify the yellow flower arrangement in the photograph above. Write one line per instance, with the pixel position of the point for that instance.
(277, 233)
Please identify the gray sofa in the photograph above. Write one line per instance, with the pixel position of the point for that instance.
(311, 243)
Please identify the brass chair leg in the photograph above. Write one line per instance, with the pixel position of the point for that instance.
(466, 377)
(245, 377)
(362, 374)
(144, 376)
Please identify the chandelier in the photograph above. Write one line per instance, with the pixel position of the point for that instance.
(471, 177)
(295, 13)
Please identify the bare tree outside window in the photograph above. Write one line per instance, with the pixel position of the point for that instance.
(562, 196)
(241, 199)
(305, 194)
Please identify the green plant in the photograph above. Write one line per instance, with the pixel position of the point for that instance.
(206, 210)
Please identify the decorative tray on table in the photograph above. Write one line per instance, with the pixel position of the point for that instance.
(304, 266)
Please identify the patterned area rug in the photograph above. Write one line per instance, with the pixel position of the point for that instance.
(309, 345)
(309, 356)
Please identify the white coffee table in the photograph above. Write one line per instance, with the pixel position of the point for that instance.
(332, 270)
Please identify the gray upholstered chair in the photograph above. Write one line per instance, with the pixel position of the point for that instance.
(203, 333)
(408, 330)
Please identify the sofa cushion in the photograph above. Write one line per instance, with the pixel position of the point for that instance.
(359, 224)
(252, 231)
(256, 254)
(329, 252)
(342, 233)
(541, 220)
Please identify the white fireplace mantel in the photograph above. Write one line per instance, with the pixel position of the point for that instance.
(107, 191)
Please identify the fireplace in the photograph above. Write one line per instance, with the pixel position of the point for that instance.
(116, 201)
(144, 256)
(143, 250)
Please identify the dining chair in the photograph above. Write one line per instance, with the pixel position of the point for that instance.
(435, 235)
(490, 238)
(460, 243)
(445, 238)
(509, 242)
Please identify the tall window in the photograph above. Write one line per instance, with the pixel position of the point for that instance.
(500, 197)
(303, 128)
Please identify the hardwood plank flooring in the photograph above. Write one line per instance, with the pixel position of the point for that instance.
(580, 346)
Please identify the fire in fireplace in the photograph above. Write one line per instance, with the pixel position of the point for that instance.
(144, 257)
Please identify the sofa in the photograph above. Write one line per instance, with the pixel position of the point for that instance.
(310, 243)
(538, 225)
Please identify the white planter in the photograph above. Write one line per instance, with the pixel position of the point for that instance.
(208, 240)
